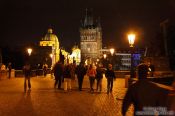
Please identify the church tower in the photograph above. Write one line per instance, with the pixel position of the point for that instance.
(90, 38)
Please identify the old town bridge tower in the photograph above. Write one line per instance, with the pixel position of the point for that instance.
(90, 38)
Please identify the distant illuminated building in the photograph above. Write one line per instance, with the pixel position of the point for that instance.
(51, 40)
(76, 55)
(125, 59)
(66, 56)
(90, 39)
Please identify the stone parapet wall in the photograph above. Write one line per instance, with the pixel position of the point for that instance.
(5, 75)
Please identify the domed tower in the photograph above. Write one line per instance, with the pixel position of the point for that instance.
(51, 39)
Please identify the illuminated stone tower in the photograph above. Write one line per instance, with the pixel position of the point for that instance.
(90, 38)
(51, 39)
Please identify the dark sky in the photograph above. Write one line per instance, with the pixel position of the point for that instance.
(27, 21)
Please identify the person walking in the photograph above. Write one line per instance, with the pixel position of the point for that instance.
(9, 69)
(110, 75)
(38, 68)
(58, 73)
(27, 74)
(91, 73)
(99, 77)
(80, 71)
(45, 67)
(146, 96)
(67, 77)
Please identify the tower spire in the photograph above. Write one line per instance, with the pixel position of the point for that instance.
(88, 20)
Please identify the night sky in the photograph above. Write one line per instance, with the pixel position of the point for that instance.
(27, 21)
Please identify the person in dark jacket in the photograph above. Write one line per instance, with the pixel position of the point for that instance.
(99, 77)
(27, 74)
(80, 71)
(67, 77)
(58, 73)
(146, 96)
(110, 75)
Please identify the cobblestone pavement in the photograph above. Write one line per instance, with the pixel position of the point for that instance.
(44, 100)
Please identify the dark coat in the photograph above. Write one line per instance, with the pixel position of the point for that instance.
(67, 71)
(27, 70)
(144, 94)
(58, 70)
(100, 72)
(110, 74)
(80, 71)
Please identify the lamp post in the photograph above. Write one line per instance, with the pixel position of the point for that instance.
(104, 60)
(112, 50)
(131, 39)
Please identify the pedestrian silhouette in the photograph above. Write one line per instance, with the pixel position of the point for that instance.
(9, 69)
(80, 71)
(99, 77)
(110, 75)
(144, 95)
(58, 73)
(91, 73)
(27, 74)
(67, 77)
(45, 67)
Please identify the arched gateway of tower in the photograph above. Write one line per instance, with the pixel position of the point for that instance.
(90, 39)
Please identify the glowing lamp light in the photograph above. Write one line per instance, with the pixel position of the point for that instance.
(149, 69)
(29, 50)
(51, 55)
(112, 51)
(104, 55)
(131, 39)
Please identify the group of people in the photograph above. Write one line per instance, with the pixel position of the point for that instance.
(147, 97)
(68, 72)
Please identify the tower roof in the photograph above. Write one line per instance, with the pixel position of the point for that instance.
(88, 20)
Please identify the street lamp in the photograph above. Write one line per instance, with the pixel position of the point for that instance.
(105, 63)
(104, 56)
(131, 40)
(29, 51)
(112, 51)
(51, 56)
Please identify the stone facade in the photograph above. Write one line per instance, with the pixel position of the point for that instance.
(90, 39)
